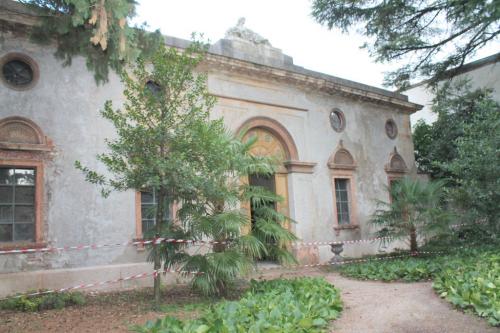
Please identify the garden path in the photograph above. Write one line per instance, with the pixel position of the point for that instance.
(378, 307)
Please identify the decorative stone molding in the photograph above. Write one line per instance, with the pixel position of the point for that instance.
(299, 167)
(23, 144)
(353, 226)
(348, 227)
(275, 128)
(18, 133)
(306, 80)
(342, 159)
(396, 163)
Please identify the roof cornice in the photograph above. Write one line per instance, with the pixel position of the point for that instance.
(315, 83)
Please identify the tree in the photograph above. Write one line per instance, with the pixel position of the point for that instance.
(154, 148)
(476, 167)
(95, 29)
(457, 106)
(430, 36)
(166, 143)
(415, 211)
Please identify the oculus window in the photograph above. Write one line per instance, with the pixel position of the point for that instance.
(391, 129)
(337, 120)
(18, 71)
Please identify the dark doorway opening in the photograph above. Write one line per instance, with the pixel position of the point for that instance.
(268, 183)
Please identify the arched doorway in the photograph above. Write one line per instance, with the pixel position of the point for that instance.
(272, 140)
(267, 144)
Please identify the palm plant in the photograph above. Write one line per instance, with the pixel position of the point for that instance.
(216, 213)
(416, 210)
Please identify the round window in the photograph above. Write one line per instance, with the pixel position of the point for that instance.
(391, 129)
(18, 71)
(337, 120)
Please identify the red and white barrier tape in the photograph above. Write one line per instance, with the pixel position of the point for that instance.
(172, 240)
(455, 226)
(154, 273)
(165, 240)
(353, 261)
(100, 246)
(347, 242)
(102, 283)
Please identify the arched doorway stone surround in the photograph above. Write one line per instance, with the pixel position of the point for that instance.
(273, 139)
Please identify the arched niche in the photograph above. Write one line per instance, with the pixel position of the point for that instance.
(266, 144)
(18, 133)
(290, 161)
(341, 159)
(396, 163)
(275, 129)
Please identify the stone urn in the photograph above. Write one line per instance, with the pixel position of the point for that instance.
(336, 249)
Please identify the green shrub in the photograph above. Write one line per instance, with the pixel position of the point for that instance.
(296, 305)
(469, 279)
(42, 302)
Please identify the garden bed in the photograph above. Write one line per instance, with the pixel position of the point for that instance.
(301, 305)
(108, 312)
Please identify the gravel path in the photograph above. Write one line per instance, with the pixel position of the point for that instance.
(377, 307)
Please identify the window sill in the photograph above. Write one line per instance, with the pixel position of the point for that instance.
(345, 227)
(5, 246)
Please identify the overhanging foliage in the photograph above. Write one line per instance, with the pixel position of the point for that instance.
(430, 36)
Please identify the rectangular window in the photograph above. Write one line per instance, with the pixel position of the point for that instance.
(17, 204)
(342, 200)
(148, 212)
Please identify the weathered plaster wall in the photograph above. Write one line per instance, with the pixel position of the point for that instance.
(65, 103)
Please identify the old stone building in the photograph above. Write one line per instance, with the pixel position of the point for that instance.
(341, 144)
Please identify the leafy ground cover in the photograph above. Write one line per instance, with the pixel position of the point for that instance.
(472, 284)
(469, 280)
(43, 302)
(295, 305)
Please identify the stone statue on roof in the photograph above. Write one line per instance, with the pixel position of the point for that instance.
(242, 32)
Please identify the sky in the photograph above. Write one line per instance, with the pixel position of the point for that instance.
(287, 24)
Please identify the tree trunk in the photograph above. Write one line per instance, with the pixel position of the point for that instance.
(220, 247)
(413, 240)
(160, 208)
